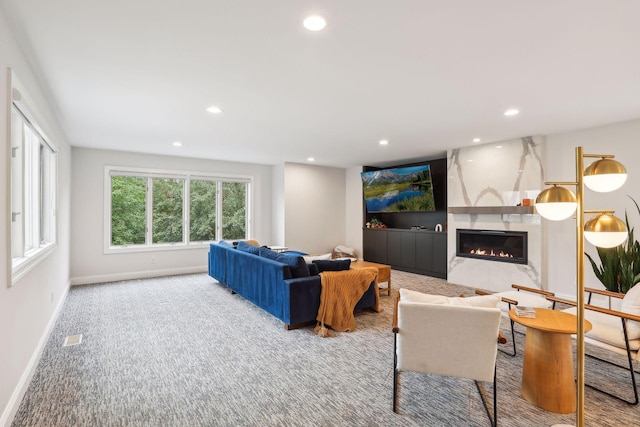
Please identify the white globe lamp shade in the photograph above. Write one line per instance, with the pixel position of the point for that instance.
(605, 175)
(556, 203)
(605, 231)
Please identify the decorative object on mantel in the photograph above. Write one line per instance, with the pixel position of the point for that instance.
(620, 266)
(605, 230)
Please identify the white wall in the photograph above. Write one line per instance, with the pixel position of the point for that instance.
(314, 207)
(29, 308)
(277, 192)
(621, 140)
(89, 262)
(354, 210)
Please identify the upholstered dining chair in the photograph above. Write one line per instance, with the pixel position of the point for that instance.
(520, 295)
(614, 330)
(445, 336)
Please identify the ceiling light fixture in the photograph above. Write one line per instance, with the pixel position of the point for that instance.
(214, 110)
(512, 112)
(314, 23)
(311, 159)
(384, 142)
(177, 144)
(498, 146)
(476, 139)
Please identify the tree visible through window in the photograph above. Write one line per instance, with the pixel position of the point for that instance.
(128, 216)
(147, 209)
(234, 195)
(167, 210)
(203, 210)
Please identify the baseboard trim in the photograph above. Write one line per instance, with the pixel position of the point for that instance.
(103, 278)
(21, 388)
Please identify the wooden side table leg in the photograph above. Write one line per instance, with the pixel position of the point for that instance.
(547, 373)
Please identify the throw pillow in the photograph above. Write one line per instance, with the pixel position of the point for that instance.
(245, 247)
(631, 304)
(296, 263)
(310, 258)
(313, 269)
(332, 265)
(225, 244)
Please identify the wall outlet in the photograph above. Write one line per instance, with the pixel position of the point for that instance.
(51, 296)
(153, 260)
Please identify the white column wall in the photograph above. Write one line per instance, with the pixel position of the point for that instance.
(89, 262)
(314, 207)
(354, 211)
(29, 308)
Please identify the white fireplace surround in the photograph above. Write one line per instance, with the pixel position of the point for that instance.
(486, 184)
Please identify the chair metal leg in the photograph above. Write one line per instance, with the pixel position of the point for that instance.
(494, 420)
(395, 373)
(513, 340)
(631, 371)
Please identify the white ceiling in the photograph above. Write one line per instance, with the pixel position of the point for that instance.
(427, 75)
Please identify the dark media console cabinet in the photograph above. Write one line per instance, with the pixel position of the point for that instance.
(415, 251)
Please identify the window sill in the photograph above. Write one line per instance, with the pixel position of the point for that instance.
(21, 266)
(155, 248)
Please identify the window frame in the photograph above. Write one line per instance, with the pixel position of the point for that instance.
(45, 166)
(187, 176)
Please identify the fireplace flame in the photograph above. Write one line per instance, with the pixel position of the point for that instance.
(484, 252)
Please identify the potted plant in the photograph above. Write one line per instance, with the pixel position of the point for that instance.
(619, 267)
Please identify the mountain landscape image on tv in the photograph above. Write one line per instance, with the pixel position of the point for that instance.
(407, 189)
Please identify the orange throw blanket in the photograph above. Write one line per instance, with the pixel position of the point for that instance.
(341, 291)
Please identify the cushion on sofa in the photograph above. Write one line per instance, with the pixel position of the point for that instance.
(296, 263)
(631, 304)
(225, 244)
(332, 265)
(310, 258)
(313, 269)
(246, 247)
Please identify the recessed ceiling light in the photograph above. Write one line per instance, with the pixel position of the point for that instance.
(469, 160)
(314, 23)
(498, 146)
(177, 144)
(311, 159)
(511, 112)
(214, 110)
(476, 139)
(384, 142)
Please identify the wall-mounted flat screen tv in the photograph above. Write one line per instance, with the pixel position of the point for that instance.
(405, 189)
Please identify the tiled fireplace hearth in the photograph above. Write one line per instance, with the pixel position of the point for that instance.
(486, 184)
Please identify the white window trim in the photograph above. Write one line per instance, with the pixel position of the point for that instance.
(19, 267)
(111, 170)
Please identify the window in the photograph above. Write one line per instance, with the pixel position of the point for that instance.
(33, 188)
(155, 210)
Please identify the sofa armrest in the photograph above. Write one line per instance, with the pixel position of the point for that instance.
(301, 299)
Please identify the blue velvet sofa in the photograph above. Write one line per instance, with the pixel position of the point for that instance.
(270, 284)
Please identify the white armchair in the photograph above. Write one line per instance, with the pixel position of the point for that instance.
(614, 330)
(447, 336)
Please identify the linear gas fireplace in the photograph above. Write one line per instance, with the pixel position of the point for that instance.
(492, 245)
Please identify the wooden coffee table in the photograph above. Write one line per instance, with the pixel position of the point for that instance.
(384, 272)
(547, 373)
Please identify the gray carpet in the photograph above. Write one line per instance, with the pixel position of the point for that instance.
(184, 351)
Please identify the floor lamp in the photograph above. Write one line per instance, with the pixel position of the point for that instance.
(605, 230)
